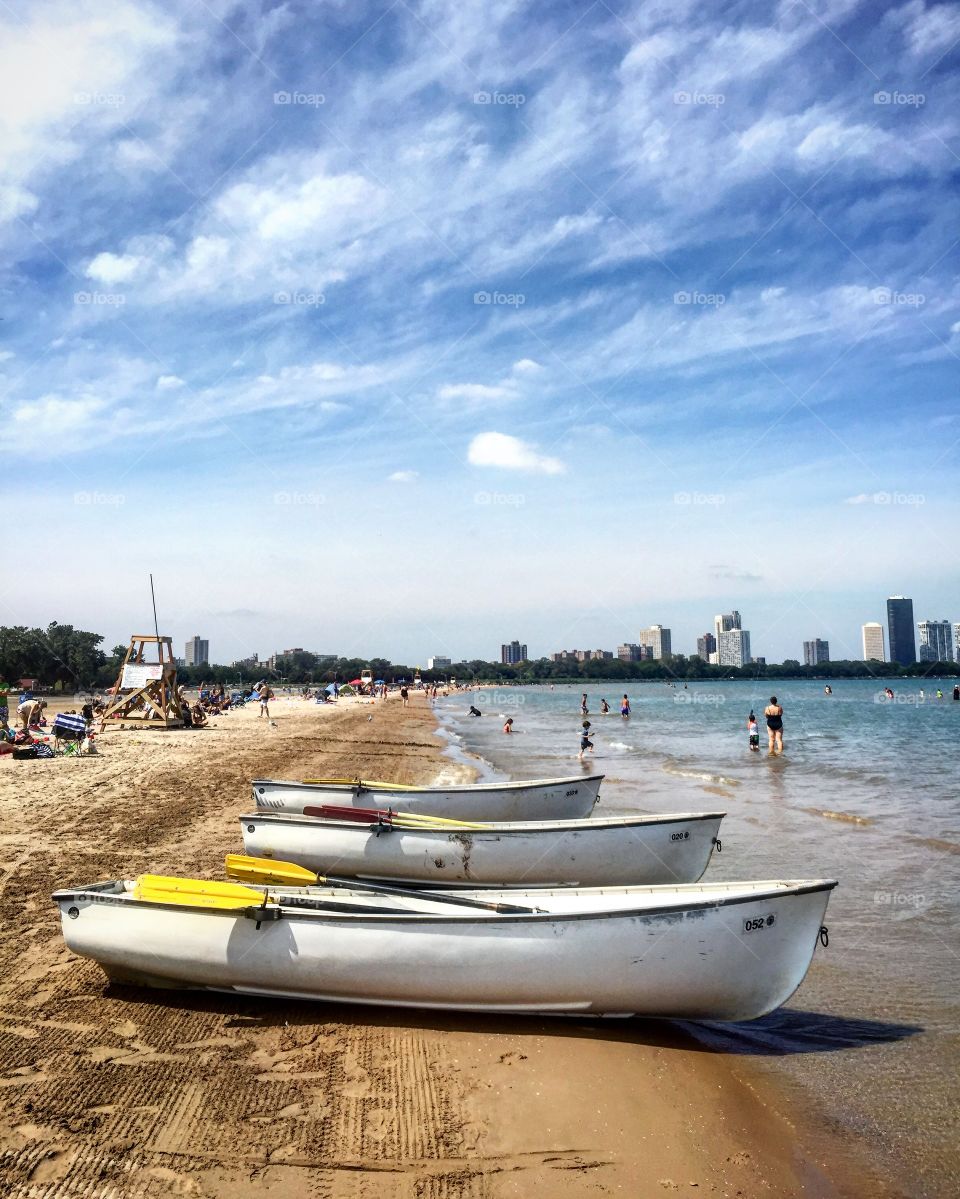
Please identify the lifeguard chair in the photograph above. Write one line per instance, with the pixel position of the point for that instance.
(149, 681)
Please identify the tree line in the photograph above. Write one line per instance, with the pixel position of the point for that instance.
(65, 658)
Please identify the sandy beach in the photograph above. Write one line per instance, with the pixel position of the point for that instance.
(108, 1092)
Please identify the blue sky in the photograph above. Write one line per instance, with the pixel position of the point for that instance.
(407, 329)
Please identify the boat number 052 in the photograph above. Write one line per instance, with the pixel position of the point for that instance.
(679, 836)
(757, 922)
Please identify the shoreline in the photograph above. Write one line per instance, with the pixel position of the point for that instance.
(230, 1091)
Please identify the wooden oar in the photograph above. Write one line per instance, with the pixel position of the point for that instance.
(385, 816)
(271, 873)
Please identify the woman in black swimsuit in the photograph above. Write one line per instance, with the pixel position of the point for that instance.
(774, 715)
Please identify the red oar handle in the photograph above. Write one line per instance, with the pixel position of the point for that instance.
(361, 815)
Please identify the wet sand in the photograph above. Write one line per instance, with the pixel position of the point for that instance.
(108, 1092)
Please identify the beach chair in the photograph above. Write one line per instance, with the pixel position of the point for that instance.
(69, 732)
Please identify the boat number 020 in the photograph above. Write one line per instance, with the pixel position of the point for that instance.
(757, 922)
(679, 836)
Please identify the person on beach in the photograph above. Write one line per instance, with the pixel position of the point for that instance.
(754, 732)
(30, 712)
(604, 707)
(404, 696)
(585, 742)
(266, 695)
(508, 725)
(774, 714)
(624, 707)
(4, 705)
(583, 704)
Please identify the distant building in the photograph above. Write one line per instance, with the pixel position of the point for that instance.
(513, 653)
(936, 641)
(706, 645)
(646, 653)
(815, 652)
(246, 663)
(725, 623)
(628, 652)
(197, 652)
(873, 648)
(956, 640)
(658, 639)
(437, 663)
(733, 648)
(903, 647)
(759, 661)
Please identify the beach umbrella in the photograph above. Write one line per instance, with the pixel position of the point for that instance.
(330, 687)
(356, 682)
(378, 682)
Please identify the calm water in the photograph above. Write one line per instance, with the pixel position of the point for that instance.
(868, 792)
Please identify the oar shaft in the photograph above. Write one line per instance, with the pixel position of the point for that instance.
(353, 884)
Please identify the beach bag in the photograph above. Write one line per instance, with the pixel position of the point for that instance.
(25, 751)
(43, 751)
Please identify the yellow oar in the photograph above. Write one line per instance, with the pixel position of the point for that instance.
(269, 872)
(195, 893)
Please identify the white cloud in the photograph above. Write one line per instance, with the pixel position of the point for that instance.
(169, 383)
(114, 268)
(6, 355)
(862, 498)
(526, 366)
(475, 393)
(510, 453)
(404, 476)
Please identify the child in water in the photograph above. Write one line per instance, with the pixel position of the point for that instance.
(754, 733)
(508, 726)
(585, 742)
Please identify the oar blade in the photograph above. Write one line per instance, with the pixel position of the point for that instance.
(194, 892)
(268, 872)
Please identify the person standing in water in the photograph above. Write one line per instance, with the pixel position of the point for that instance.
(956, 693)
(585, 742)
(754, 732)
(604, 707)
(508, 725)
(624, 707)
(774, 714)
(583, 704)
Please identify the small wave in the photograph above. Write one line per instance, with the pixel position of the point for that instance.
(619, 745)
(846, 817)
(719, 779)
(937, 843)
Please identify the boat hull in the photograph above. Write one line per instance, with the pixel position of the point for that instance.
(717, 952)
(539, 799)
(585, 853)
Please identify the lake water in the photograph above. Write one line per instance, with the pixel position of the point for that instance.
(867, 792)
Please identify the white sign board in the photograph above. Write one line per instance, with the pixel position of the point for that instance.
(139, 676)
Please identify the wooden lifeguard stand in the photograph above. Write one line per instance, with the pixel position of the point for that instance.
(150, 686)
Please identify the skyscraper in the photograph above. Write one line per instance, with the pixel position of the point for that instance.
(706, 645)
(873, 650)
(513, 653)
(815, 652)
(733, 648)
(936, 641)
(197, 652)
(724, 623)
(903, 647)
(956, 639)
(658, 639)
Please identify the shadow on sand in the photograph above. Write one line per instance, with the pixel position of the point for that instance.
(780, 1034)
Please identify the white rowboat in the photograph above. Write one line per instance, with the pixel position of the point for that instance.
(605, 851)
(720, 951)
(536, 799)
